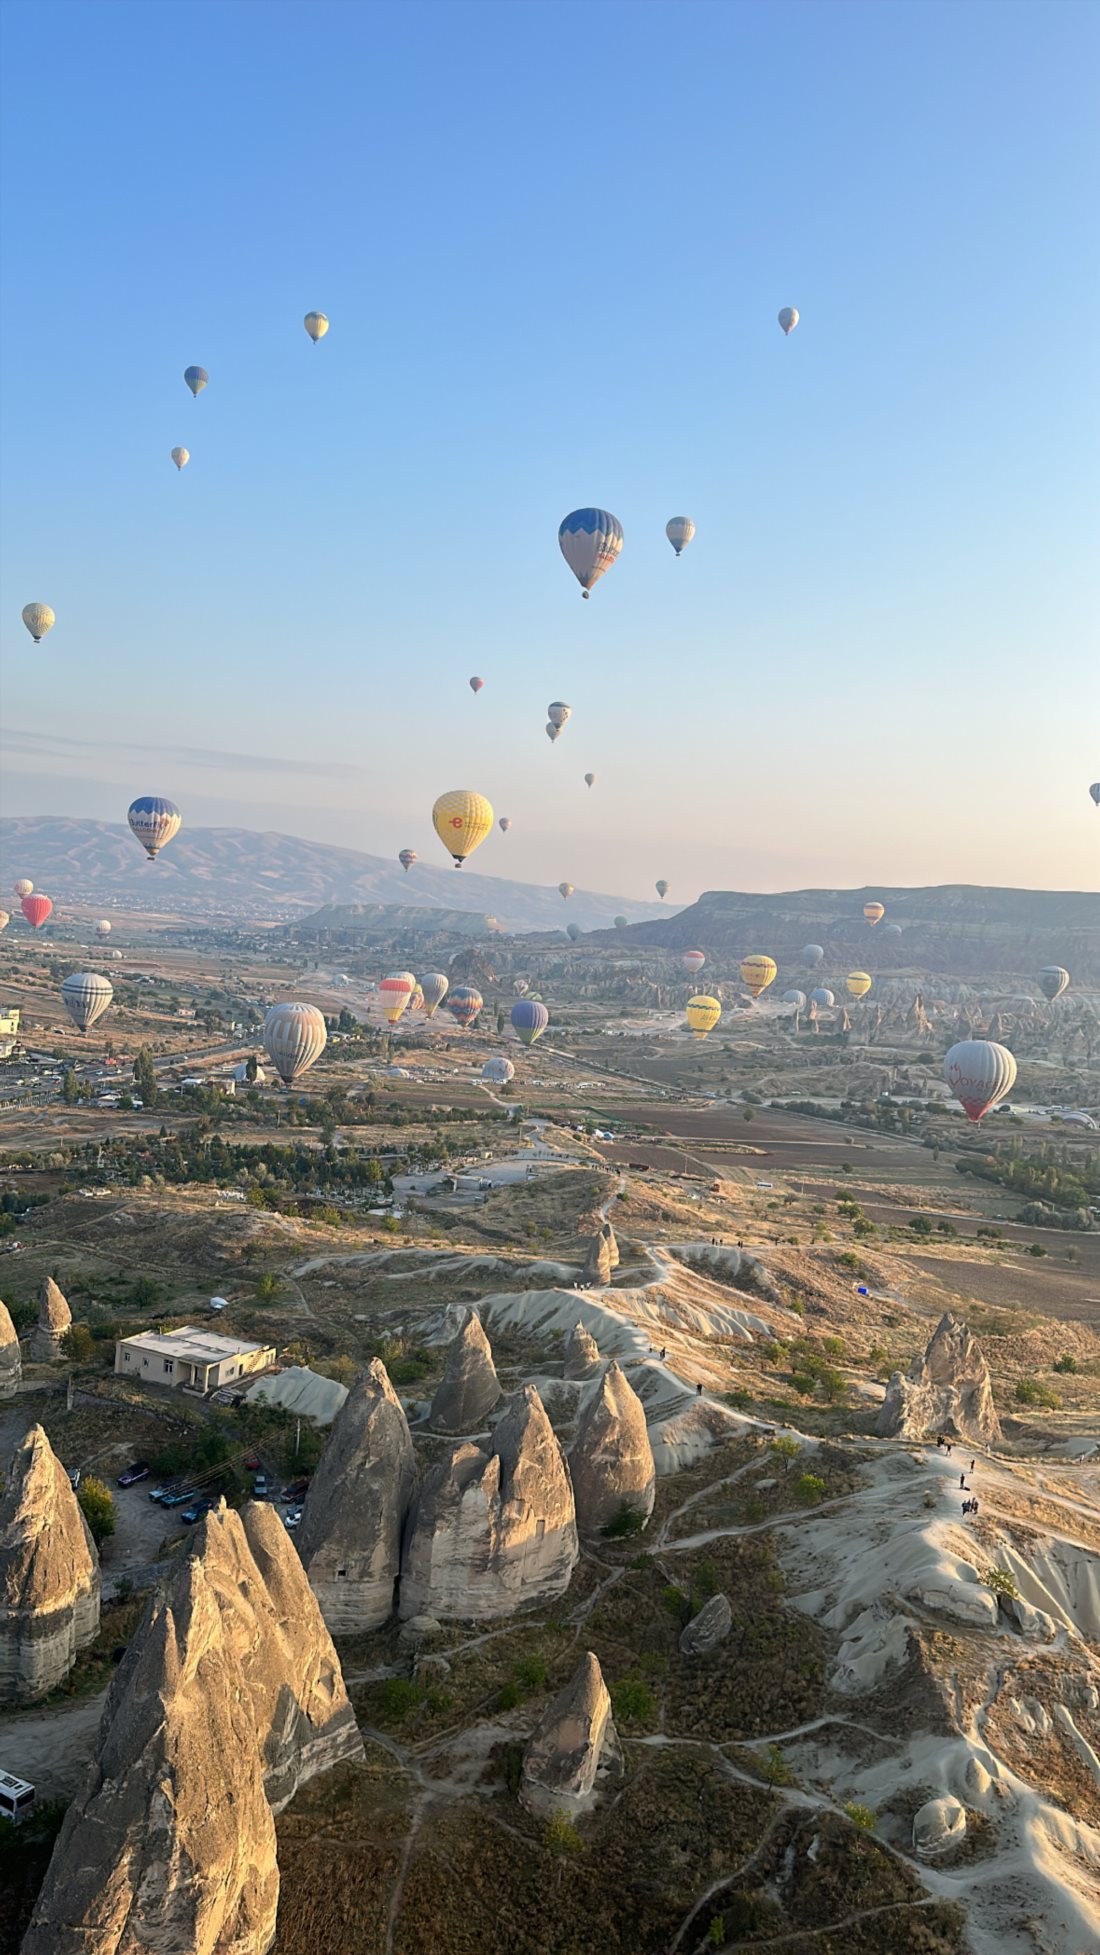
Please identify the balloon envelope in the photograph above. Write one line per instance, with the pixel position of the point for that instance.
(788, 318)
(196, 378)
(395, 992)
(103, 927)
(504, 824)
(476, 685)
(464, 1003)
(1053, 979)
(462, 819)
(590, 780)
(529, 1020)
(679, 530)
(86, 996)
(662, 889)
(294, 1038)
(558, 712)
(758, 972)
(795, 998)
(565, 891)
(979, 1073)
(181, 457)
(874, 912)
(693, 960)
(435, 988)
(812, 954)
(702, 1015)
(892, 930)
(823, 999)
(36, 909)
(1095, 792)
(5, 919)
(590, 541)
(406, 857)
(498, 1071)
(154, 821)
(859, 983)
(316, 325)
(39, 619)
(620, 923)
(24, 887)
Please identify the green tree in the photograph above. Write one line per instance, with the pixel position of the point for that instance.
(97, 1507)
(145, 1078)
(266, 1287)
(78, 1343)
(251, 1068)
(70, 1091)
(786, 1449)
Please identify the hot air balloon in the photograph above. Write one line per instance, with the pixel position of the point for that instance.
(462, 820)
(1095, 792)
(504, 824)
(464, 1003)
(679, 530)
(103, 927)
(590, 780)
(520, 986)
(395, 992)
(693, 960)
(565, 891)
(979, 1074)
(316, 325)
(435, 988)
(5, 919)
(824, 1000)
(703, 1015)
(812, 954)
(294, 1038)
(758, 972)
(662, 889)
(416, 998)
(859, 983)
(590, 540)
(86, 996)
(874, 912)
(892, 930)
(620, 923)
(36, 909)
(154, 821)
(1053, 980)
(196, 378)
(476, 685)
(181, 457)
(552, 732)
(24, 887)
(795, 998)
(39, 619)
(788, 319)
(529, 1020)
(406, 857)
(572, 931)
(498, 1071)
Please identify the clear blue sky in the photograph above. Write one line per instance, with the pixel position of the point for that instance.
(552, 241)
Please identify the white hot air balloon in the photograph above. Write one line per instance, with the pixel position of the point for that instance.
(103, 927)
(86, 996)
(498, 1072)
(294, 1038)
(181, 457)
(24, 887)
(788, 319)
(979, 1073)
(39, 619)
(680, 530)
(316, 325)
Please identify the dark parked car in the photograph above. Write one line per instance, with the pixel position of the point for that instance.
(138, 1471)
(172, 1499)
(196, 1511)
(296, 1491)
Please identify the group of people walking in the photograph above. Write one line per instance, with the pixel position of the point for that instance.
(943, 1445)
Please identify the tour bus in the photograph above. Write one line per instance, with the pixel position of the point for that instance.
(16, 1797)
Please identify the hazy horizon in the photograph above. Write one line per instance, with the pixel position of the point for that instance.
(553, 265)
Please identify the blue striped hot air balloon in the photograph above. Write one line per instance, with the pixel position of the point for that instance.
(590, 540)
(529, 1020)
(154, 821)
(197, 378)
(464, 1003)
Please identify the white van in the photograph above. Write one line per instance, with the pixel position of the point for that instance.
(16, 1797)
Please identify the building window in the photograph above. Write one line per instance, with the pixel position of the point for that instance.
(169, 1365)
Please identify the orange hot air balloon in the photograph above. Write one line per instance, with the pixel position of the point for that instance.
(36, 909)
(874, 912)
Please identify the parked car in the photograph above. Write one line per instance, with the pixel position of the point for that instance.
(253, 1462)
(296, 1491)
(138, 1471)
(74, 1477)
(196, 1511)
(292, 1517)
(261, 1487)
(172, 1499)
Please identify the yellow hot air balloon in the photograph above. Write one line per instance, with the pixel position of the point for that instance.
(181, 457)
(462, 819)
(316, 325)
(702, 1015)
(874, 912)
(858, 984)
(39, 619)
(758, 972)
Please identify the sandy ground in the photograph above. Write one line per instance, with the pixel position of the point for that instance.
(52, 1748)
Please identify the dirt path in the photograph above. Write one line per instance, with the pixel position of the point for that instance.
(52, 1747)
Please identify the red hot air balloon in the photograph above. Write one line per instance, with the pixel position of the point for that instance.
(693, 960)
(36, 909)
(477, 685)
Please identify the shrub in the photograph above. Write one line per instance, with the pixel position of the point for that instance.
(397, 1697)
(78, 1343)
(808, 1489)
(740, 1399)
(1031, 1391)
(97, 1507)
(627, 1521)
(633, 1700)
(1035, 1249)
(1002, 1581)
(1067, 1363)
(920, 1225)
(716, 1933)
(786, 1449)
(531, 1672)
(266, 1287)
(772, 1765)
(864, 1817)
(561, 1836)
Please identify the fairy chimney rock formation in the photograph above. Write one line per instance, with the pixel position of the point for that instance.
(603, 1257)
(49, 1574)
(469, 1388)
(582, 1354)
(349, 1540)
(170, 1844)
(948, 1390)
(573, 1746)
(493, 1532)
(709, 1628)
(54, 1319)
(611, 1461)
(11, 1362)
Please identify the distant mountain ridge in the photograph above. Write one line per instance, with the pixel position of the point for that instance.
(241, 873)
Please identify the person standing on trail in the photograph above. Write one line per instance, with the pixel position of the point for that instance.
(962, 1479)
(972, 1465)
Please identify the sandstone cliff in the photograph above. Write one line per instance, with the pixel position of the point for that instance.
(574, 1745)
(947, 1390)
(350, 1536)
(469, 1388)
(54, 1319)
(490, 1533)
(49, 1574)
(582, 1354)
(611, 1461)
(11, 1362)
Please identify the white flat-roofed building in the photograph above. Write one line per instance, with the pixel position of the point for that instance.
(196, 1360)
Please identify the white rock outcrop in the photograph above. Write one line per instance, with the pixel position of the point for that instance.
(49, 1574)
(947, 1390)
(469, 1388)
(709, 1628)
(493, 1532)
(573, 1748)
(349, 1539)
(582, 1354)
(11, 1359)
(938, 1826)
(602, 1258)
(54, 1319)
(611, 1460)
